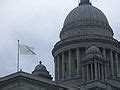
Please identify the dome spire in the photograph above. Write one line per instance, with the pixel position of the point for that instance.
(85, 2)
(40, 62)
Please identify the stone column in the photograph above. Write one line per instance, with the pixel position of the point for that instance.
(106, 75)
(99, 73)
(106, 64)
(104, 53)
(83, 73)
(78, 61)
(91, 71)
(69, 65)
(96, 73)
(111, 63)
(58, 67)
(116, 60)
(87, 73)
(63, 66)
(102, 69)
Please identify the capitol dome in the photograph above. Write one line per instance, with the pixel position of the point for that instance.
(86, 17)
(84, 13)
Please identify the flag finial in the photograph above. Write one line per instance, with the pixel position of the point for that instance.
(85, 2)
(40, 62)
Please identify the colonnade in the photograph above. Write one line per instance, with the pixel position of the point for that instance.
(112, 62)
(60, 68)
(94, 71)
(111, 67)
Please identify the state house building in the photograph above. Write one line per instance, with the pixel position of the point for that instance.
(87, 57)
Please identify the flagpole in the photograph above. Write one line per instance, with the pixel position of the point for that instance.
(18, 58)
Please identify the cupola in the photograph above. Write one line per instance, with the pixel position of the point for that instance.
(41, 71)
(93, 52)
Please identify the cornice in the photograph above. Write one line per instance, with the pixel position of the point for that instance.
(77, 40)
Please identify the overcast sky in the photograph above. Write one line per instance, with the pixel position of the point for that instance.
(37, 23)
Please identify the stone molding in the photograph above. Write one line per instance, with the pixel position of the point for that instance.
(66, 45)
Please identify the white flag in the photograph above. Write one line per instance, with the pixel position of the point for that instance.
(26, 50)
